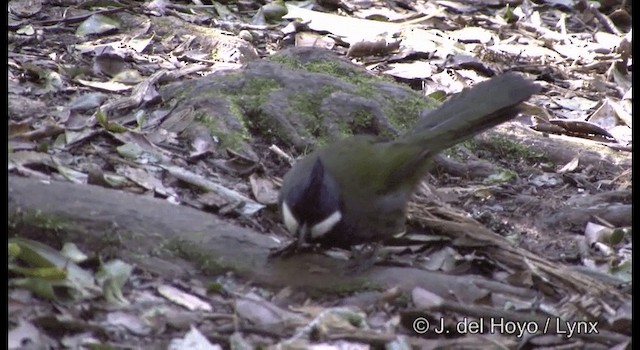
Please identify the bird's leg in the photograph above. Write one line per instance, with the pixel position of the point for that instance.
(298, 245)
(284, 252)
(291, 249)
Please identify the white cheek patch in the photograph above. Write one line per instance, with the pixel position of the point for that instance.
(324, 226)
(289, 220)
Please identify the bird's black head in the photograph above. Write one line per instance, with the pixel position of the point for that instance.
(310, 202)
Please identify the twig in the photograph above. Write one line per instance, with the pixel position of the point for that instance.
(248, 207)
(604, 20)
(76, 19)
(277, 150)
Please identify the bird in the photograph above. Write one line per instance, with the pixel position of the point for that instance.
(356, 190)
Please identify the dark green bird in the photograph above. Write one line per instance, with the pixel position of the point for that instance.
(356, 190)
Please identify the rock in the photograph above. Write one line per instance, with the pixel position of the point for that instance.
(301, 97)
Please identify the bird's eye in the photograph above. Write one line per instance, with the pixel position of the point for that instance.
(324, 226)
(289, 220)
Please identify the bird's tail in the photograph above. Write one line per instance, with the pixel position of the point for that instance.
(472, 111)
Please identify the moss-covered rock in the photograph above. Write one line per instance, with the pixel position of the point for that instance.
(301, 97)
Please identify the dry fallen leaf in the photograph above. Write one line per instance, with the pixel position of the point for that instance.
(570, 167)
(264, 190)
(189, 301)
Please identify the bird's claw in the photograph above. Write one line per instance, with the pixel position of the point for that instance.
(291, 249)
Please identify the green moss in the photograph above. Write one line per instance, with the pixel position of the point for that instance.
(404, 113)
(195, 254)
(322, 141)
(53, 230)
(360, 124)
(352, 75)
(362, 119)
(256, 92)
(237, 112)
(232, 139)
(344, 128)
(307, 106)
(452, 152)
(357, 286)
(470, 143)
(38, 219)
(343, 289)
(286, 61)
(403, 299)
(511, 149)
(334, 69)
(215, 288)
(233, 75)
(267, 129)
(502, 147)
(323, 67)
